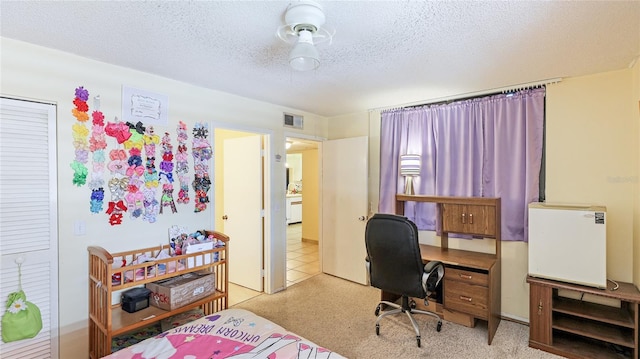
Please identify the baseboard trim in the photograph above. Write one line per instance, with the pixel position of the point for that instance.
(515, 320)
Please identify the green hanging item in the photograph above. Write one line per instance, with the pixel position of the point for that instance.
(21, 319)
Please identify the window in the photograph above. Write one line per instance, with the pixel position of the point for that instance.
(482, 147)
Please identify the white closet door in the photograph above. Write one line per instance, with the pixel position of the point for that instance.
(28, 219)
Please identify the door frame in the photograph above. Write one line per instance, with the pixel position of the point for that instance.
(267, 193)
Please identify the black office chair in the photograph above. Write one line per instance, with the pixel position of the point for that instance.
(395, 265)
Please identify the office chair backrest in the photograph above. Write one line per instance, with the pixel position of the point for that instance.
(395, 264)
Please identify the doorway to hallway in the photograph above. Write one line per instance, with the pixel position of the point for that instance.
(303, 209)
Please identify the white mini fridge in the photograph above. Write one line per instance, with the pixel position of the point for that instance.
(568, 243)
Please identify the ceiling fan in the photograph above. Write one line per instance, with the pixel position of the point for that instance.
(303, 28)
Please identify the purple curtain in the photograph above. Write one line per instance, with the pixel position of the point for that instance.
(483, 147)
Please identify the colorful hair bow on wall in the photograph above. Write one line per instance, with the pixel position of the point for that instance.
(182, 164)
(98, 143)
(80, 135)
(138, 127)
(118, 130)
(201, 154)
(150, 174)
(166, 174)
(115, 212)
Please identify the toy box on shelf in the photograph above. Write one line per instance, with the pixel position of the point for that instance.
(184, 242)
(175, 292)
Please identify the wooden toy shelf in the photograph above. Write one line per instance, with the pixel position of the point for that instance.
(106, 317)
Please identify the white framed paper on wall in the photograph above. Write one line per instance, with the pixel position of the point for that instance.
(145, 106)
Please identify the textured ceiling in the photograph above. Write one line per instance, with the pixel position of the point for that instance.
(384, 53)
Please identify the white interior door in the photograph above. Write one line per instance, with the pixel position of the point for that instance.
(28, 210)
(243, 198)
(344, 207)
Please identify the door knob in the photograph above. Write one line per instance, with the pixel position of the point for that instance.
(362, 218)
(225, 217)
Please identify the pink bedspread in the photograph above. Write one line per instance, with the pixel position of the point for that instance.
(231, 333)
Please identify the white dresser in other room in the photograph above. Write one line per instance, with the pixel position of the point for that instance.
(294, 208)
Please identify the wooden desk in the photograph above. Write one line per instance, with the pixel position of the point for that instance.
(471, 284)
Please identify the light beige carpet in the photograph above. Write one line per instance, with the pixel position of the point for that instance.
(339, 315)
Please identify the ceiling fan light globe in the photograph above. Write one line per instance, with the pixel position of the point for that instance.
(304, 57)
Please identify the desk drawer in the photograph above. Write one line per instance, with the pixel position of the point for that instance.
(466, 298)
(466, 276)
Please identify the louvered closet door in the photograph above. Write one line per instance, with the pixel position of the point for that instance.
(28, 219)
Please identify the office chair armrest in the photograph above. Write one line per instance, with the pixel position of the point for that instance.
(367, 263)
(431, 265)
(433, 274)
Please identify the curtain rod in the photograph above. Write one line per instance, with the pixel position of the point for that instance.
(504, 89)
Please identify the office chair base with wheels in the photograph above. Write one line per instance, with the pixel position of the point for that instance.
(407, 307)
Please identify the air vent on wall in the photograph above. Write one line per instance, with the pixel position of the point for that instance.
(291, 120)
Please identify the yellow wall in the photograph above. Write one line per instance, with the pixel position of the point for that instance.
(310, 195)
(591, 155)
(592, 150)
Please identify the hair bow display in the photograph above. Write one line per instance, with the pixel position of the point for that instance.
(182, 164)
(135, 140)
(117, 155)
(167, 198)
(116, 206)
(135, 160)
(138, 127)
(79, 130)
(202, 183)
(166, 177)
(150, 207)
(134, 170)
(79, 173)
(115, 210)
(150, 150)
(79, 115)
(201, 130)
(98, 156)
(97, 198)
(201, 154)
(151, 139)
(80, 104)
(117, 187)
(117, 167)
(82, 155)
(118, 130)
(97, 143)
(98, 118)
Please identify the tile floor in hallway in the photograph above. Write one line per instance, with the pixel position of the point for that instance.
(303, 262)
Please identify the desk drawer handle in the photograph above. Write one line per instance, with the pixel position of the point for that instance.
(465, 276)
(470, 218)
(464, 218)
(468, 299)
